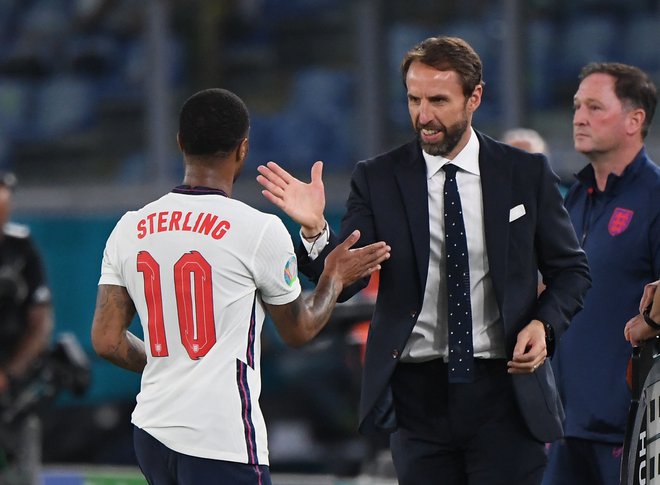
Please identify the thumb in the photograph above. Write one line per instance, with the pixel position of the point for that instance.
(521, 345)
(350, 240)
(317, 172)
(626, 331)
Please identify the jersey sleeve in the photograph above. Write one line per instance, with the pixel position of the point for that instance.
(276, 266)
(110, 269)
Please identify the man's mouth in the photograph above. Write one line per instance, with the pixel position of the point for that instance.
(431, 134)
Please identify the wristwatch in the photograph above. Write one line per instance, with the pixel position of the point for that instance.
(647, 318)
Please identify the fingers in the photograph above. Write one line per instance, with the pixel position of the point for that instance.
(530, 351)
(376, 252)
(270, 178)
(370, 270)
(627, 332)
(350, 240)
(317, 172)
(366, 259)
(278, 201)
(273, 177)
(270, 187)
(526, 367)
(280, 173)
(519, 351)
(637, 331)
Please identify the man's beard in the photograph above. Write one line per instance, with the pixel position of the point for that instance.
(453, 135)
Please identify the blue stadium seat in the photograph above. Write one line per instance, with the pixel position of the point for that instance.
(585, 39)
(640, 42)
(540, 63)
(322, 88)
(64, 104)
(275, 10)
(15, 105)
(314, 125)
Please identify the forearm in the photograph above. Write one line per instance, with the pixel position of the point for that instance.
(110, 336)
(128, 352)
(319, 306)
(300, 321)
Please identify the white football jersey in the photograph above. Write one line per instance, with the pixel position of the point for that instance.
(198, 266)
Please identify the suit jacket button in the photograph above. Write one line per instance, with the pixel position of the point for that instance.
(395, 353)
(413, 313)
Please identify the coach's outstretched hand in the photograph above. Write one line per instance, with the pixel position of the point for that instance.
(302, 202)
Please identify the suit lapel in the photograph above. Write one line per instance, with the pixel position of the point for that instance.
(411, 178)
(496, 181)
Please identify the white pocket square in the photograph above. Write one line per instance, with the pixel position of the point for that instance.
(516, 213)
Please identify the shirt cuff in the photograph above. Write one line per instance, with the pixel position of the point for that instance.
(314, 247)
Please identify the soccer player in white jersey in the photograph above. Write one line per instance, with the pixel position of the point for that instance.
(201, 269)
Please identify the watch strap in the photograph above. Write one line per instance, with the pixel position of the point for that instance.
(647, 318)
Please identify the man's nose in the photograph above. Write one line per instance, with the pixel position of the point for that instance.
(425, 114)
(579, 116)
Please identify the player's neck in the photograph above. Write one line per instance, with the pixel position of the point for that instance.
(212, 178)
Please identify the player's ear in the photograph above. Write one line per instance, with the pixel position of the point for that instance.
(243, 149)
(178, 141)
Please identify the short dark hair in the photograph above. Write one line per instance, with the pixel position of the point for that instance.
(631, 85)
(447, 54)
(212, 122)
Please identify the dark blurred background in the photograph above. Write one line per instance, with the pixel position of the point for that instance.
(89, 98)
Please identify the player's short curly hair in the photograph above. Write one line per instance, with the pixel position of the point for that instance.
(212, 122)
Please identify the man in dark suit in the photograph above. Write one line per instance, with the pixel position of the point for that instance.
(487, 425)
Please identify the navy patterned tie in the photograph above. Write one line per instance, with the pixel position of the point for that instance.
(459, 311)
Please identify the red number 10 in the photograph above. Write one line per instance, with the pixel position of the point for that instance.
(196, 322)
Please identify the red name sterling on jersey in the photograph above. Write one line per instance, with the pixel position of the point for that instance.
(205, 223)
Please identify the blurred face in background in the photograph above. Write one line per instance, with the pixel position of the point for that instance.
(5, 204)
(600, 118)
(439, 111)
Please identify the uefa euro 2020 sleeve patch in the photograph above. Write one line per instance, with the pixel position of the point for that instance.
(291, 271)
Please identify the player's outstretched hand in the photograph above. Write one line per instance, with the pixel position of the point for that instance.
(345, 265)
(303, 202)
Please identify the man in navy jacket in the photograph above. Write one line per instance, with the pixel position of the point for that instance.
(615, 208)
(491, 430)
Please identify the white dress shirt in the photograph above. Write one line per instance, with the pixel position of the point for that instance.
(428, 339)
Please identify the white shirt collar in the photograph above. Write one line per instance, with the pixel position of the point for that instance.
(467, 159)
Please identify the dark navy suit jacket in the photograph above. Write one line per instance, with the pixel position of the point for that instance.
(389, 202)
